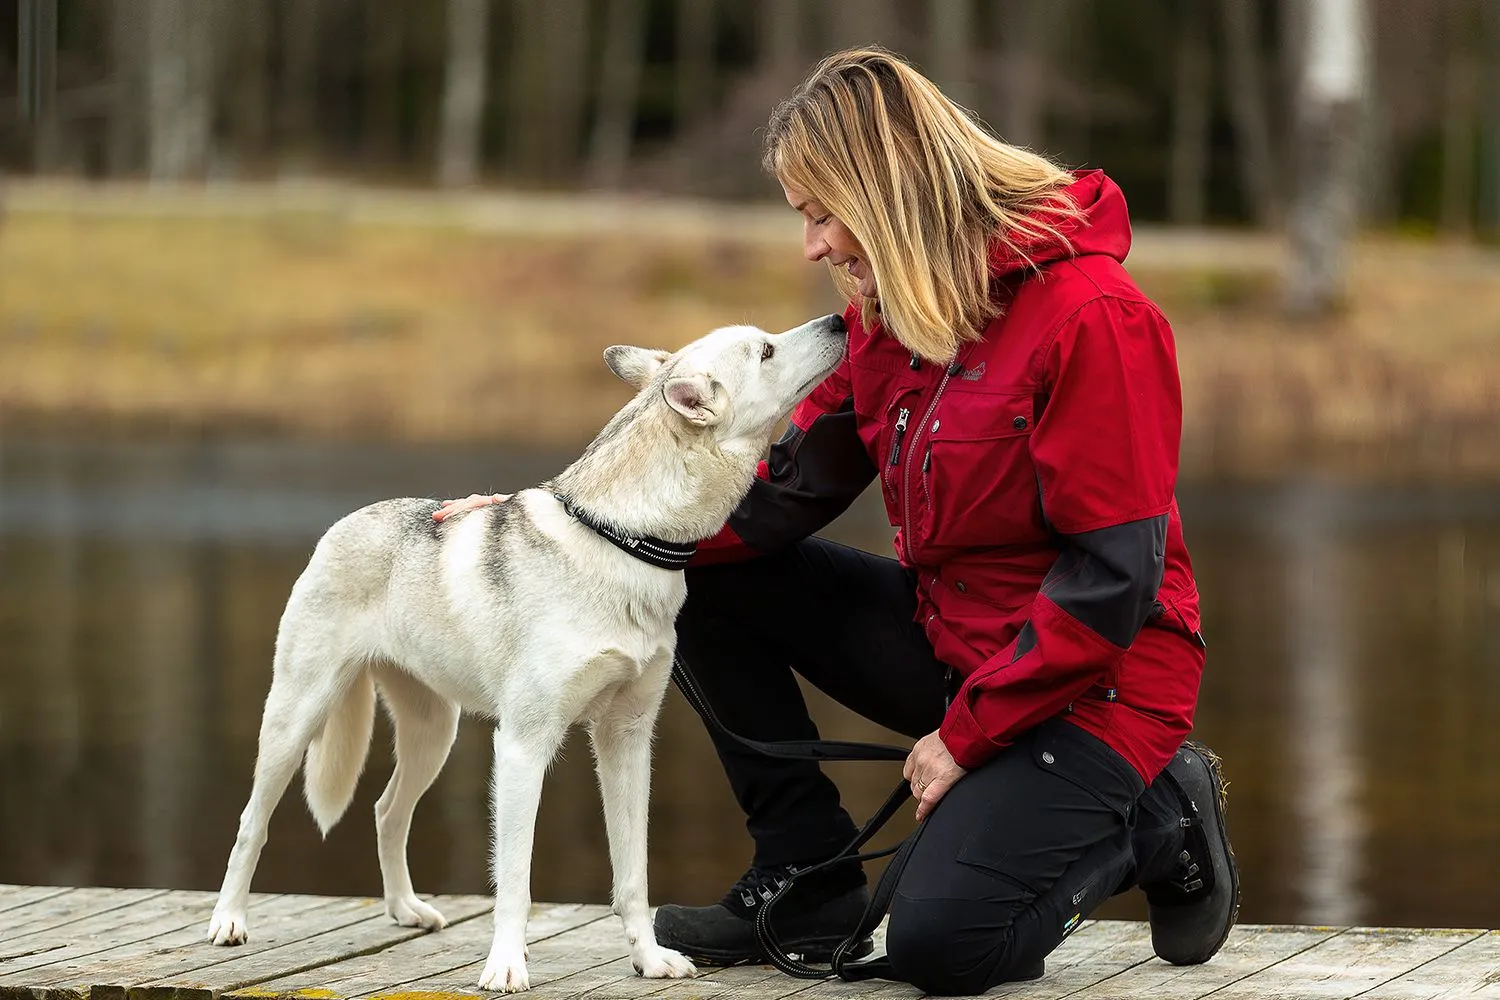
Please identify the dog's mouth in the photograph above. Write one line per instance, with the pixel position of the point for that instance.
(807, 386)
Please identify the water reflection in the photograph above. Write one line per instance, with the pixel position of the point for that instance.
(1352, 687)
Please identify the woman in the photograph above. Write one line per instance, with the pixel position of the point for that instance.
(1017, 398)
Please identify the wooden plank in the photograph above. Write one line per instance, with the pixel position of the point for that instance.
(1250, 949)
(309, 950)
(1470, 970)
(143, 919)
(763, 982)
(1090, 955)
(1348, 963)
(12, 896)
(423, 957)
(274, 922)
(48, 912)
(587, 956)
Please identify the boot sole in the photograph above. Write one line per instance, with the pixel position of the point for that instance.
(819, 950)
(1221, 803)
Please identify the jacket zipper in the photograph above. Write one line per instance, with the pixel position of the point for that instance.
(952, 370)
(901, 419)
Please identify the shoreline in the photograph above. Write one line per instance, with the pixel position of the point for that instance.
(343, 313)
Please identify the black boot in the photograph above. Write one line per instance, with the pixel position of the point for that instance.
(1193, 910)
(814, 918)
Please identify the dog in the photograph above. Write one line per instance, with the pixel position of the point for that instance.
(555, 607)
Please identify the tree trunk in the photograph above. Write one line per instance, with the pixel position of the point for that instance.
(383, 47)
(1247, 101)
(851, 24)
(37, 78)
(1330, 102)
(1187, 186)
(695, 60)
(1489, 176)
(1025, 37)
(781, 36)
(619, 86)
(297, 103)
(548, 87)
(126, 141)
(1460, 86)
(463, 92)
(252, 21)
(178, 96)
(952, 33)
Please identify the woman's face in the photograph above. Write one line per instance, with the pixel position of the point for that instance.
(824, 237)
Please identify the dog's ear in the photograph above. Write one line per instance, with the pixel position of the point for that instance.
(692, 396)
(634, 365)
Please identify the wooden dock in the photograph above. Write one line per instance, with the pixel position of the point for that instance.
(59, 943)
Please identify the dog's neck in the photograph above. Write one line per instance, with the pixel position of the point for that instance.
(630, 479)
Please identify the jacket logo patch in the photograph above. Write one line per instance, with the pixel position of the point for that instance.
(974, 374)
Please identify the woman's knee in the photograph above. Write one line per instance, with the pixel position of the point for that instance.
(952, 947)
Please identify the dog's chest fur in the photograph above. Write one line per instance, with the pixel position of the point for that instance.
(542, 598)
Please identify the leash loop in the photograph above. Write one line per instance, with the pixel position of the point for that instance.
(842, 966)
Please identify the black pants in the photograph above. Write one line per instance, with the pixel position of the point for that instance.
(1013, 857)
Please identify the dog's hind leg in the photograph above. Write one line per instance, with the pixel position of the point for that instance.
(426, 724)
(525, 742)
(301, 696)
(622, 751)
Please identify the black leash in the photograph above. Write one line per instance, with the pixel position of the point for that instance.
(842, 965)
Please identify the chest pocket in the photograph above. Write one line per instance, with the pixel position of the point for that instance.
(885, 433)
(978, 483)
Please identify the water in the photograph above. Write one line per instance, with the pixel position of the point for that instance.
(1353, 688)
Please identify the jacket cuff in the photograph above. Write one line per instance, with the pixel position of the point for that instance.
(965, 739)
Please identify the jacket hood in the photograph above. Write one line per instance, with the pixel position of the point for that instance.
(1103, 229)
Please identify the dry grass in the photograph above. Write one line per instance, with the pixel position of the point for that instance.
(306, 322)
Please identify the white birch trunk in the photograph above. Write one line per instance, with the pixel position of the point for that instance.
(619, 86)
(177, 89)
(1330, 105)
(463, 93)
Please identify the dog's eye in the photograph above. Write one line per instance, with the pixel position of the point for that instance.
(767, 351)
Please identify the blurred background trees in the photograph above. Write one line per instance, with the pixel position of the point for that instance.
(1210, 111)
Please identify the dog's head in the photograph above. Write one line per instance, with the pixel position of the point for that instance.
(739, 381)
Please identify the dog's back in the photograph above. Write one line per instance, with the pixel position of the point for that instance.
(459, 604)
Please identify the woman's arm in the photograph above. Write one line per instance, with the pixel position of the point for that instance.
(1106, 450)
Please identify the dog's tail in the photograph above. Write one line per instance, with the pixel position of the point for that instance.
(336, 756)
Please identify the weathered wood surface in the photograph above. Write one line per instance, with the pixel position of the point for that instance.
(58, 943)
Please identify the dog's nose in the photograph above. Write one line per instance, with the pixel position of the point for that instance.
(836, 323)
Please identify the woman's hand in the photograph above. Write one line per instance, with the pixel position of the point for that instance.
(469, 502)
(931, 770)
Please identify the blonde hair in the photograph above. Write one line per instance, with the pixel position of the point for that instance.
(922, 186)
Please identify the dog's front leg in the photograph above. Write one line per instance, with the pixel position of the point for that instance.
(622, 750)
(521, 759)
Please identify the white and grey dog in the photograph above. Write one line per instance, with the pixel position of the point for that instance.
(525, 612)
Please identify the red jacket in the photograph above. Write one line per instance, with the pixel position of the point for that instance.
(1032, 484)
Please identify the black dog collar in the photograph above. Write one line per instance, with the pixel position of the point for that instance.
(662, 555)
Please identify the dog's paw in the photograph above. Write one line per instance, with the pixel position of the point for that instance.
(505, 971)
(412, 912)
(229, 928)
(656, 962)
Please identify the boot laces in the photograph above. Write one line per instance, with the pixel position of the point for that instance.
(1186, 876)
(760, 884)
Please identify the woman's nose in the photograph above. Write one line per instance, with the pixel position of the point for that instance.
(814, 248)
